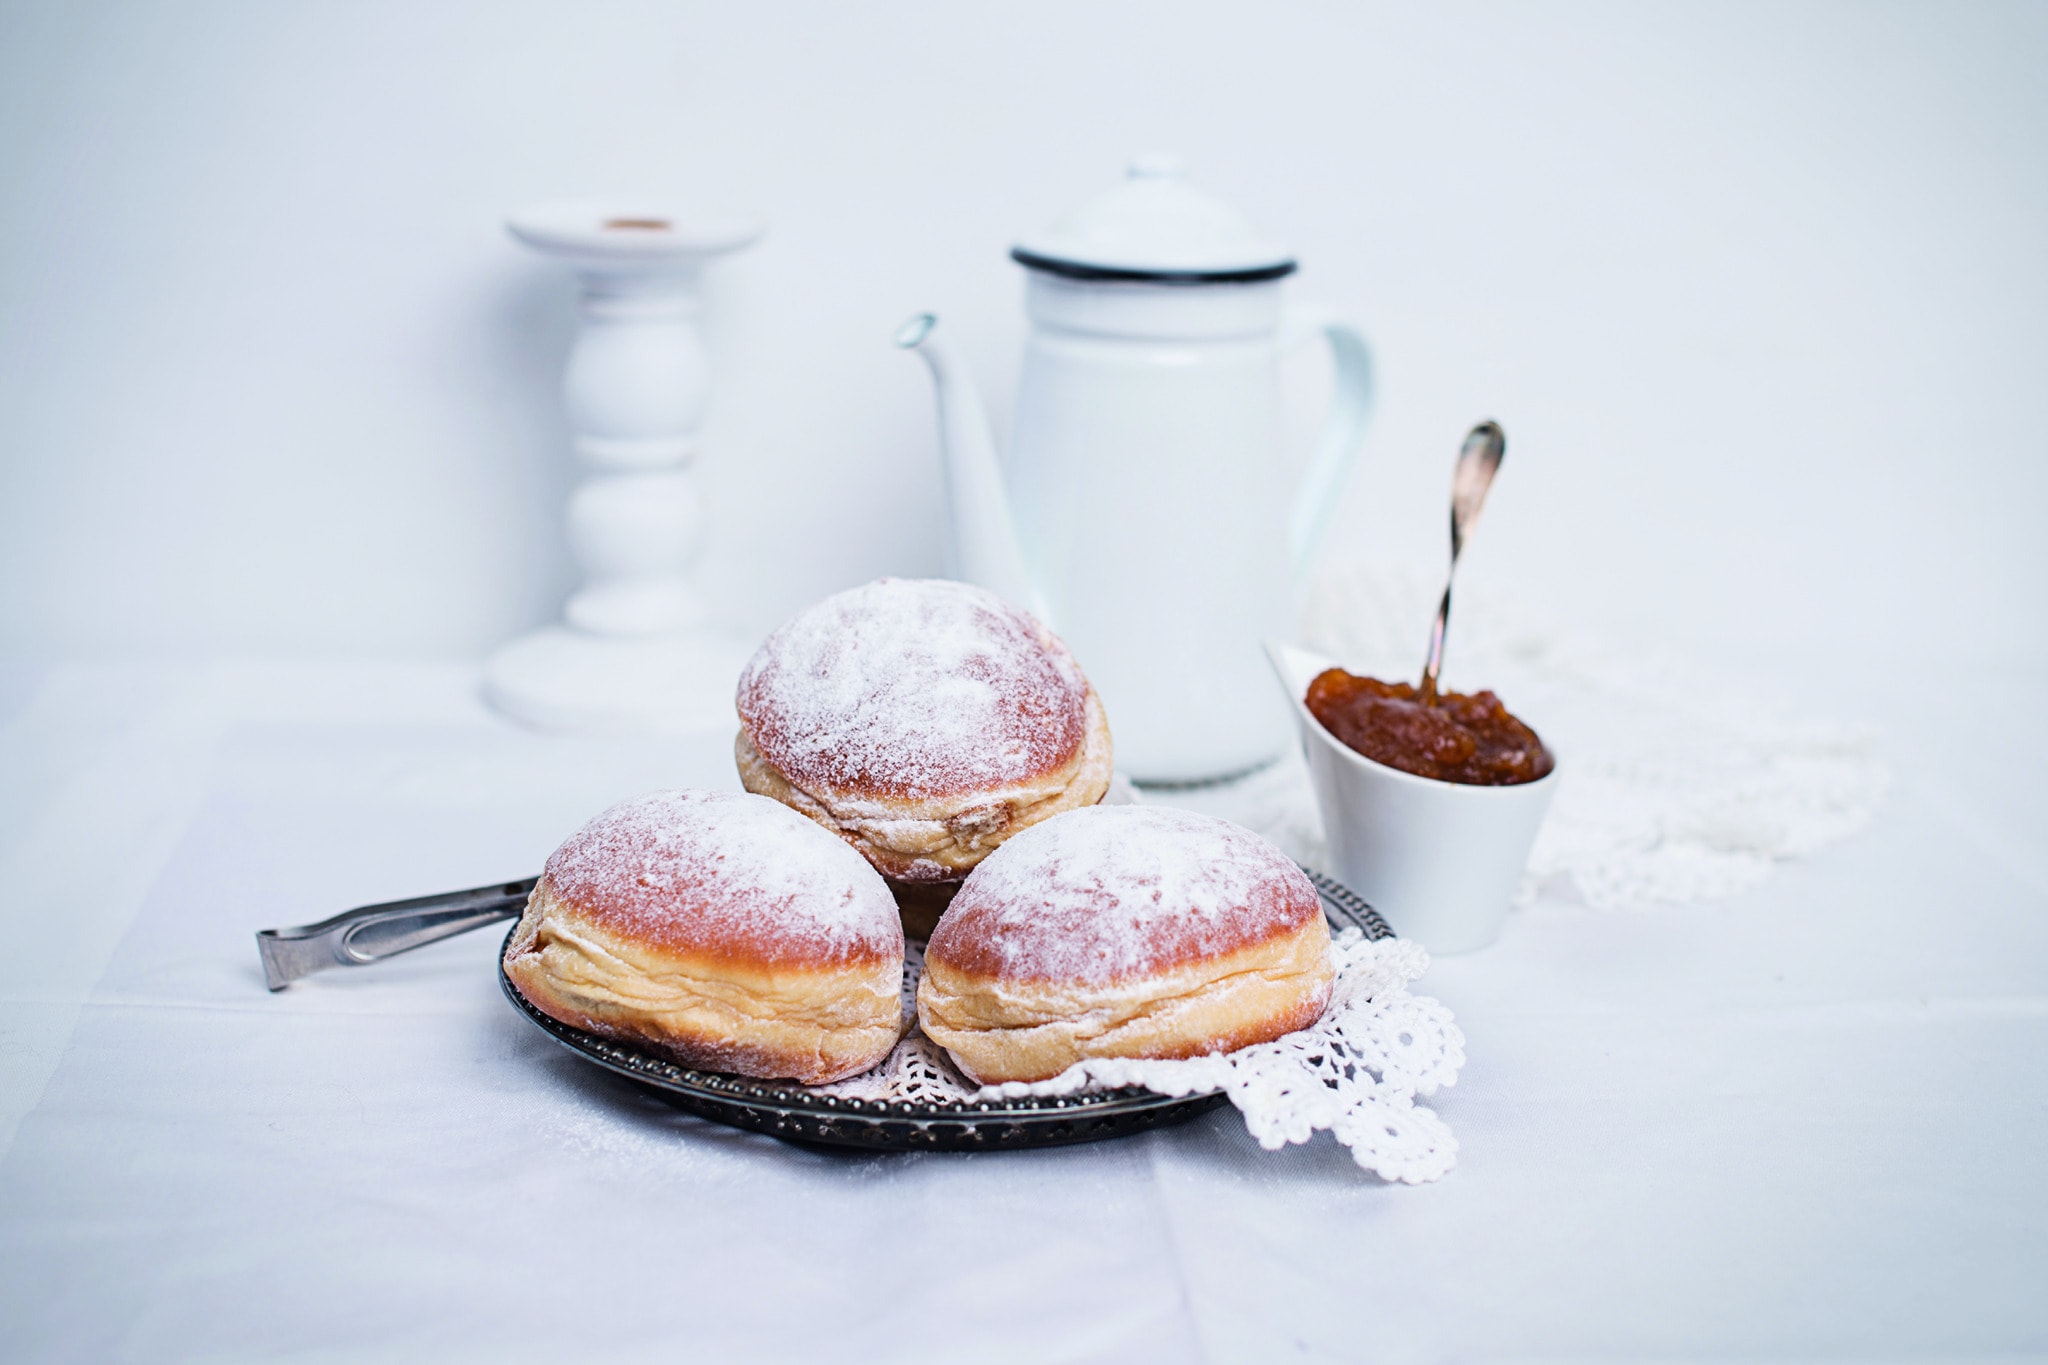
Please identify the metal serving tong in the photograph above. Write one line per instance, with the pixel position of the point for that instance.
(371, 933)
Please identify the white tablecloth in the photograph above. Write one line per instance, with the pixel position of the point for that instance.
(1812, 1121)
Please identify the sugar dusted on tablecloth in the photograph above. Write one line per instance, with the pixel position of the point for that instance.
(913, 688)
(693, 868)
(1110, 892)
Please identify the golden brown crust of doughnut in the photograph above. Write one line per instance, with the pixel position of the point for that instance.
(715, 1010)
(913, 688)
(723, 928)
(940, 838)
(1007, 1029)
(924, 722)
(1123, 931)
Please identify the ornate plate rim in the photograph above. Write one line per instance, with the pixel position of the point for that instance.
(779, 1105)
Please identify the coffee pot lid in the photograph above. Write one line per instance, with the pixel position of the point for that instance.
(1155, 228)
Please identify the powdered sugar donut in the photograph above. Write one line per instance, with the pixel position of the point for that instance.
(1123, 931)
(722, 928)
(924, 722)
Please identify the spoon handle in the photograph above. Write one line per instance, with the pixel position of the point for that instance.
(1478, 461)
(1435, 663)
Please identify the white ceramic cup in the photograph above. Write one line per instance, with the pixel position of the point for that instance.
(1439, 860)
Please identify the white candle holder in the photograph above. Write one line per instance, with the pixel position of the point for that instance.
(637, 650)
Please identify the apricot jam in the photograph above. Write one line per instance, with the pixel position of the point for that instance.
(1467, 739)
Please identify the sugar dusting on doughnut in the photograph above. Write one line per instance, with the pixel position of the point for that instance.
(697, 871)
(913, 688)
(1107, 893)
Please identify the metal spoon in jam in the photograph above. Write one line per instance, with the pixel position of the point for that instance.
(1478, 462)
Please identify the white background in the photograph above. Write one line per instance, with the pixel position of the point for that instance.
(1759, 293)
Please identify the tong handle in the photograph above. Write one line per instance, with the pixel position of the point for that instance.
(371, 933)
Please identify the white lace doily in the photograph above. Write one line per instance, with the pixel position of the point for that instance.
(1355, 1072)
(1675, 785)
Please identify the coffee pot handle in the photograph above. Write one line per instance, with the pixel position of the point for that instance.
(1351, 404)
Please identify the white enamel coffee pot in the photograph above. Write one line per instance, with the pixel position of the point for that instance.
(1146, 514)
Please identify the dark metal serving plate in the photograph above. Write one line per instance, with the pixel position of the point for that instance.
(785, 1109)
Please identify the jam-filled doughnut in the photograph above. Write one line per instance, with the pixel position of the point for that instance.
(924, 722)
(721, 928)
(1123, 931)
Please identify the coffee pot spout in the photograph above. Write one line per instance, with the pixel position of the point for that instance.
(986, 551)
